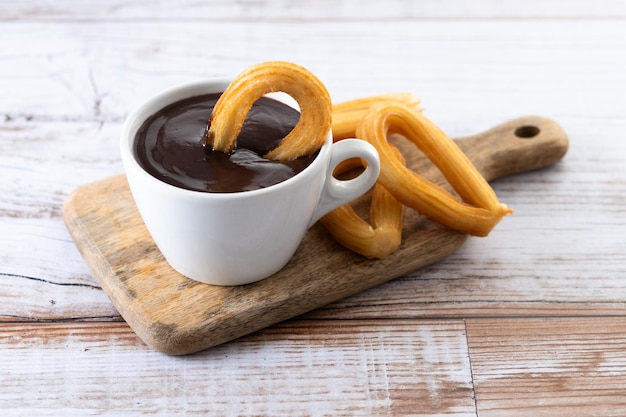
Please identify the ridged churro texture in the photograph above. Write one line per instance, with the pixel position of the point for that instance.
(270, 77)
(477, 213)
(348, 114)
(382, 235)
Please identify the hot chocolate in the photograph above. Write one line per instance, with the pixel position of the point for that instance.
(170, 146)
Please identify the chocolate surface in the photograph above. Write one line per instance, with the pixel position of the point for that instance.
(169, 146)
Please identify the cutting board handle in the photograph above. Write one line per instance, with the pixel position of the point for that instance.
(519, 145)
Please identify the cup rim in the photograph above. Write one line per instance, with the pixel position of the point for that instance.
(148, 107)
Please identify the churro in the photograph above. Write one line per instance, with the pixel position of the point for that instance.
(307, 90)
(477, 213)
(348, 114)
(382, 235)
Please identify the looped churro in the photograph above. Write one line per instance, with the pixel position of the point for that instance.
(479, 211)
(311, 95)
(377, 239)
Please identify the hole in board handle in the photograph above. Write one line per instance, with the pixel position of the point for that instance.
(527, 131)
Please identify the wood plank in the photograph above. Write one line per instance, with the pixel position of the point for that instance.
(339, 368)
(267, 10)
(25, 298)
(549, 367)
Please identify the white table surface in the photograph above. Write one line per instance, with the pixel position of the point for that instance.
(528, 321)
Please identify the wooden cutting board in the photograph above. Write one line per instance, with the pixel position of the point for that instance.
(175, 315)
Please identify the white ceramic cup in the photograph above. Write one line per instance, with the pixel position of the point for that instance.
(241, 237)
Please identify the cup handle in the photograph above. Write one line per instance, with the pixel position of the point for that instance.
(339, 192)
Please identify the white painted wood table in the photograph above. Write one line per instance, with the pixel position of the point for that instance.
(530, 321)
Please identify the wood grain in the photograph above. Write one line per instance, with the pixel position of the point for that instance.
(99, 70)
(297, 368)
(179, 316)
(549, 367)
(268, 10)
(70, 72)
